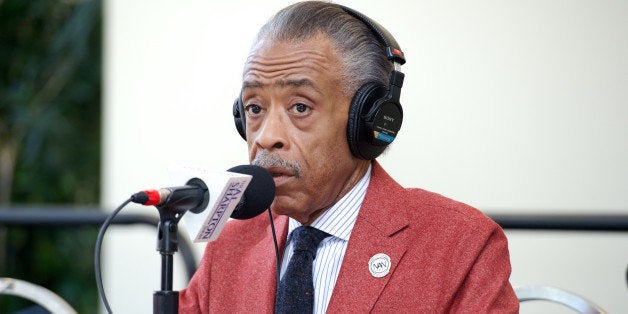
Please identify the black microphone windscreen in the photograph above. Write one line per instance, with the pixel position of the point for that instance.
(259, 194)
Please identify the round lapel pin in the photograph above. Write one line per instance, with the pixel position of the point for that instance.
(379, 265)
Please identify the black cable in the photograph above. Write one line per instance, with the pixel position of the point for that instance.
(99, 239)
(272, 228)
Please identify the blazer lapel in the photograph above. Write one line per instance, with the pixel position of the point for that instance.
(254, 256)
(378, 230)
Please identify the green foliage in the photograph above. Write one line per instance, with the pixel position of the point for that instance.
(50, 97)
(50, 73)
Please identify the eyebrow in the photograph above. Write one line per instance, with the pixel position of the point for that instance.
(281, 83)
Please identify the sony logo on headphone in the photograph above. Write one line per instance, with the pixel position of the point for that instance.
(387, 118)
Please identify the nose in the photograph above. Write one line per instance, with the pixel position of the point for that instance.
(273, 132)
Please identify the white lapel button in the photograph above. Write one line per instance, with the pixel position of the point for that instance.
(379, 265)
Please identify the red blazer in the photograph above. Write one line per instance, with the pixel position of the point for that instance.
(445, 257)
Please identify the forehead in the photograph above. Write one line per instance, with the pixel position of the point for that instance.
(276, 62)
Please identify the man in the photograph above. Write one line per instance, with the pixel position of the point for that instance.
(386, 248)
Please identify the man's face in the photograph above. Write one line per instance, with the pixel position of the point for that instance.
(296, 118)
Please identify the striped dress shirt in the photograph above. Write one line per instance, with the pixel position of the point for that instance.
(338, 221)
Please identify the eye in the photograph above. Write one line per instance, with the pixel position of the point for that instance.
(300, 109)
(253, 109)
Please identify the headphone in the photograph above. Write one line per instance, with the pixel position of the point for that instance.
(375, 114)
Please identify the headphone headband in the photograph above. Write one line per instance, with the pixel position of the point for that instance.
(393, 52)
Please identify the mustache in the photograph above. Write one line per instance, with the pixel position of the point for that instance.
(267, 160)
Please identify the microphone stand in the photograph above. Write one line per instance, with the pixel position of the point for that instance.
(166, 301)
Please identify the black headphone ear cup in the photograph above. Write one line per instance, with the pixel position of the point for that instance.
(238, 118)
(358, 135)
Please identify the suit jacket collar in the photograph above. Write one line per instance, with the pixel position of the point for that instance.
(376, 231)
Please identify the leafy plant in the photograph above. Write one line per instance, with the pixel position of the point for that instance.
(50, 74)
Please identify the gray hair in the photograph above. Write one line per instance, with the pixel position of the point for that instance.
(363, 56)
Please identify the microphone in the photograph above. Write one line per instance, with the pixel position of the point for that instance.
(258, 195)
(243, 192)
(194, 196)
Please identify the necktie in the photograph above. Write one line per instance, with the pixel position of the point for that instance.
(295, 293)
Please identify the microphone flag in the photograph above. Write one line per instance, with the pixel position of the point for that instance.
(225, 191)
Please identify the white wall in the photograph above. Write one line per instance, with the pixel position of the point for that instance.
(510, 106)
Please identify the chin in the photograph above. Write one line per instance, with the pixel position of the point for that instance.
(279, 210)
(284, 206)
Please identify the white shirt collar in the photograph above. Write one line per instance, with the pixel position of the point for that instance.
(338, 220)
